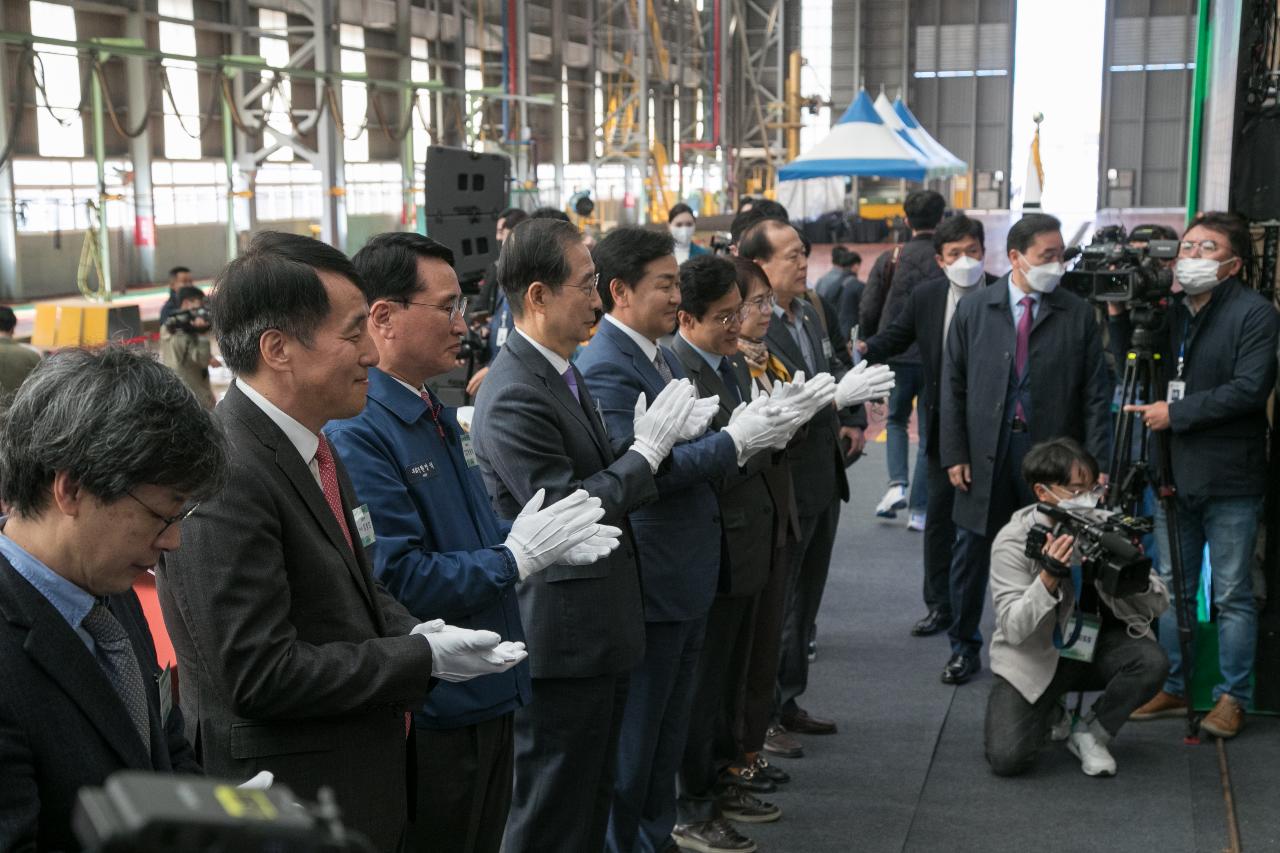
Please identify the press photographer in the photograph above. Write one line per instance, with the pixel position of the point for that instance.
(1221, 351)
(1052, 636)
(184, 344)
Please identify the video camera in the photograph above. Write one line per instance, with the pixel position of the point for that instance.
(1109, 269)
(185, 321)
(1106, 543)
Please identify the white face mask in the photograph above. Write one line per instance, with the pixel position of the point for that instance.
(1044, 278)
(1198, 275)
(964, 271)
(683, 234)
(1085, 501)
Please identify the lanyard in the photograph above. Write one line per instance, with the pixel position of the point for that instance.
(1182, 346)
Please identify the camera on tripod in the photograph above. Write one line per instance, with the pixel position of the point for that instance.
(186, 321)
(1111, 270)
(1106, 543)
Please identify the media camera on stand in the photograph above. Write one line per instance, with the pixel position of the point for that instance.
(191, 320)
(1111, 270)
(1106, 542)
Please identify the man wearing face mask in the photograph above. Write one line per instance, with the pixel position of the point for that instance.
(681, 222)
(1037, 656)
(1222, 352)
(1023, 364)
(924, 321)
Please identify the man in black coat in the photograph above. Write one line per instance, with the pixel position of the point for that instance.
(923, 322)
(1023, 364)
(87, 517)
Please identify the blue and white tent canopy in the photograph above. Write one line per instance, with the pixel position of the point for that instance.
(884, 109)
(951, 164)
(859, 144)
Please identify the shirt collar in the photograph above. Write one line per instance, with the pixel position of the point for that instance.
(304, 440)
(558, 362)
(71, 602)
(1016, 295)
(711, 358)
(648, 347)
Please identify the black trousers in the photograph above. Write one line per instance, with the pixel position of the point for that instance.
(939, 536)
(464, 787)
(1128, 671)
(566, 754)
(804, 596)
(718, 680)
(758, 698)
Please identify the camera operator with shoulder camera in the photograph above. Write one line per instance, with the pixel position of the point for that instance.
(184, 344)
(1221, 351)
(1055, 635)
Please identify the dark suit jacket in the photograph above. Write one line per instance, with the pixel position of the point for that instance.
(817, 462)
(292, 659)
(62, 724)
(679, 535)
(1070, 390)
(530, 433)
(746, 504)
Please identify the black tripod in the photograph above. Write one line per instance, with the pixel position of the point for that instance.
(1130, 473)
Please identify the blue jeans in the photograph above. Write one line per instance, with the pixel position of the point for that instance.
(1230, 526)
(908, 384)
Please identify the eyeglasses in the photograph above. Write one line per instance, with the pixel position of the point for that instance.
(763, 304)
(169, 520)
(1098, 491)
(586, 289)
(456, 308)
(1205, 246)
(730, 318)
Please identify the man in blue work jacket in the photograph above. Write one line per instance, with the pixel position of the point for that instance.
(435, 541)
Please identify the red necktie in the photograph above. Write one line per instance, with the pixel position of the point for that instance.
(1024, 342)
(329, 485)
(434, 411)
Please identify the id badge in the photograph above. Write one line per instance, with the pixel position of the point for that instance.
(1177, 390)
(501, 340)
(1083, 648)
(468, 451)
(826, 348)
(364, 525)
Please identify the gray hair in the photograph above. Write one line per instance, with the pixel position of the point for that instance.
(113, 419)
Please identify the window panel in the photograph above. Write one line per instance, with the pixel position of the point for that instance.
(57, 69)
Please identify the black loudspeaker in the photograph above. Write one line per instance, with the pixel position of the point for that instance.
(463, 194)
(1255, 188)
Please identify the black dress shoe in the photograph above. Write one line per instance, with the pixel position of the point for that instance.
(930, 624)
(748, 779)
(960, 669)
(802, 722)
(713, 836)
(763, 768)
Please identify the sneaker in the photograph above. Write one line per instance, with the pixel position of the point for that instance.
(741, 806)
(1088, 742)
(893, 500)
(1226, 719)
(778, 742)
(916, 522)
(1060, 729)
(712, 836)
(1162, 705)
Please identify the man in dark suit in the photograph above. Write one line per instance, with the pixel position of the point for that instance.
(924, 321)
(86, 519)
(537, 426)
(1023, 364)
(290, 655)
(677, 537)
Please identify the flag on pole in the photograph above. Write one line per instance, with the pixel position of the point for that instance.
(1035, 171)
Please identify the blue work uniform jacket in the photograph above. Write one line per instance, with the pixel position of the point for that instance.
(439, 543)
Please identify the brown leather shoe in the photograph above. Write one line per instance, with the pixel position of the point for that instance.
(1226, 719)
(778, 742)
(802, 722)
(1161, 705)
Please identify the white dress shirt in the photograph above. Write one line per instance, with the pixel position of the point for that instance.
(558, 362)
(304, 440)
(648, 347)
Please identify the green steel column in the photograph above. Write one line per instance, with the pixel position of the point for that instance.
(408, 204)
(1199, 84)
(229, 157)
(99, 155)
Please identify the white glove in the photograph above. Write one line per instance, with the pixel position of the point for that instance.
(864, 382)
(460, 654)
(759, 425)
(599, 546)
(541, 536)
(261, 782)
(808, 397)
(704, 409)
(657, 428)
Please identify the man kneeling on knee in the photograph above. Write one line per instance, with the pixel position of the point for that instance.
(1055, 635)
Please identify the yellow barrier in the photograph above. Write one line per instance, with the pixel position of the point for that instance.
(82, 323)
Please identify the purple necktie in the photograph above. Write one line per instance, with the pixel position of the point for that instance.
(572, 383)
(1024, 340)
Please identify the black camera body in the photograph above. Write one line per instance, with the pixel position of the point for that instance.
(184, 321)
(1107, 545)
(1110, 270)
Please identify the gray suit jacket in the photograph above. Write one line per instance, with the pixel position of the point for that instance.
(530, 433)
(292, 659)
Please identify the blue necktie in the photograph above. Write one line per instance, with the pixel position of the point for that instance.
(730, 381)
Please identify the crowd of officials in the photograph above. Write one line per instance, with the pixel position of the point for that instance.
(580, 616)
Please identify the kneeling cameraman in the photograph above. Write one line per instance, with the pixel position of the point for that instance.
(1051, 639)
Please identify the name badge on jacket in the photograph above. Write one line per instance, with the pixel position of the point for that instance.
(468, 451)
(826, 349)
(364, 524)
(424, 470)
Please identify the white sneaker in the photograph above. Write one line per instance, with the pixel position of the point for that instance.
(893, 500)
(916, 522)
(1060, 729)
(1089, 744)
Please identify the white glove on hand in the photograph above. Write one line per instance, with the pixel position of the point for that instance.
(760, 425)
(599, 546)
(865, 382)
(541, 536)
(460, 654)
(657, 428)
(808, 397)
(704, 409)
(261, 782)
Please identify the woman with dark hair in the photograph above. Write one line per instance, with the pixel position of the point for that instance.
(682, 222)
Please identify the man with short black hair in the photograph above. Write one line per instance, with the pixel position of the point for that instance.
(179, 277)
(290, 654)
(16, 360)
(103, 453)
(1023, 364)
(835, 281)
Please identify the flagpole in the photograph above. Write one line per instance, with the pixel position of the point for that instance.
(1034, 185)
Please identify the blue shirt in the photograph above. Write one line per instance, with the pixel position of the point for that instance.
(72, 602)
(796, 328)
(1016, 296)
(711, 358)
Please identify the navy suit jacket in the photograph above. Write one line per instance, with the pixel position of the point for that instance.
(678, 537)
